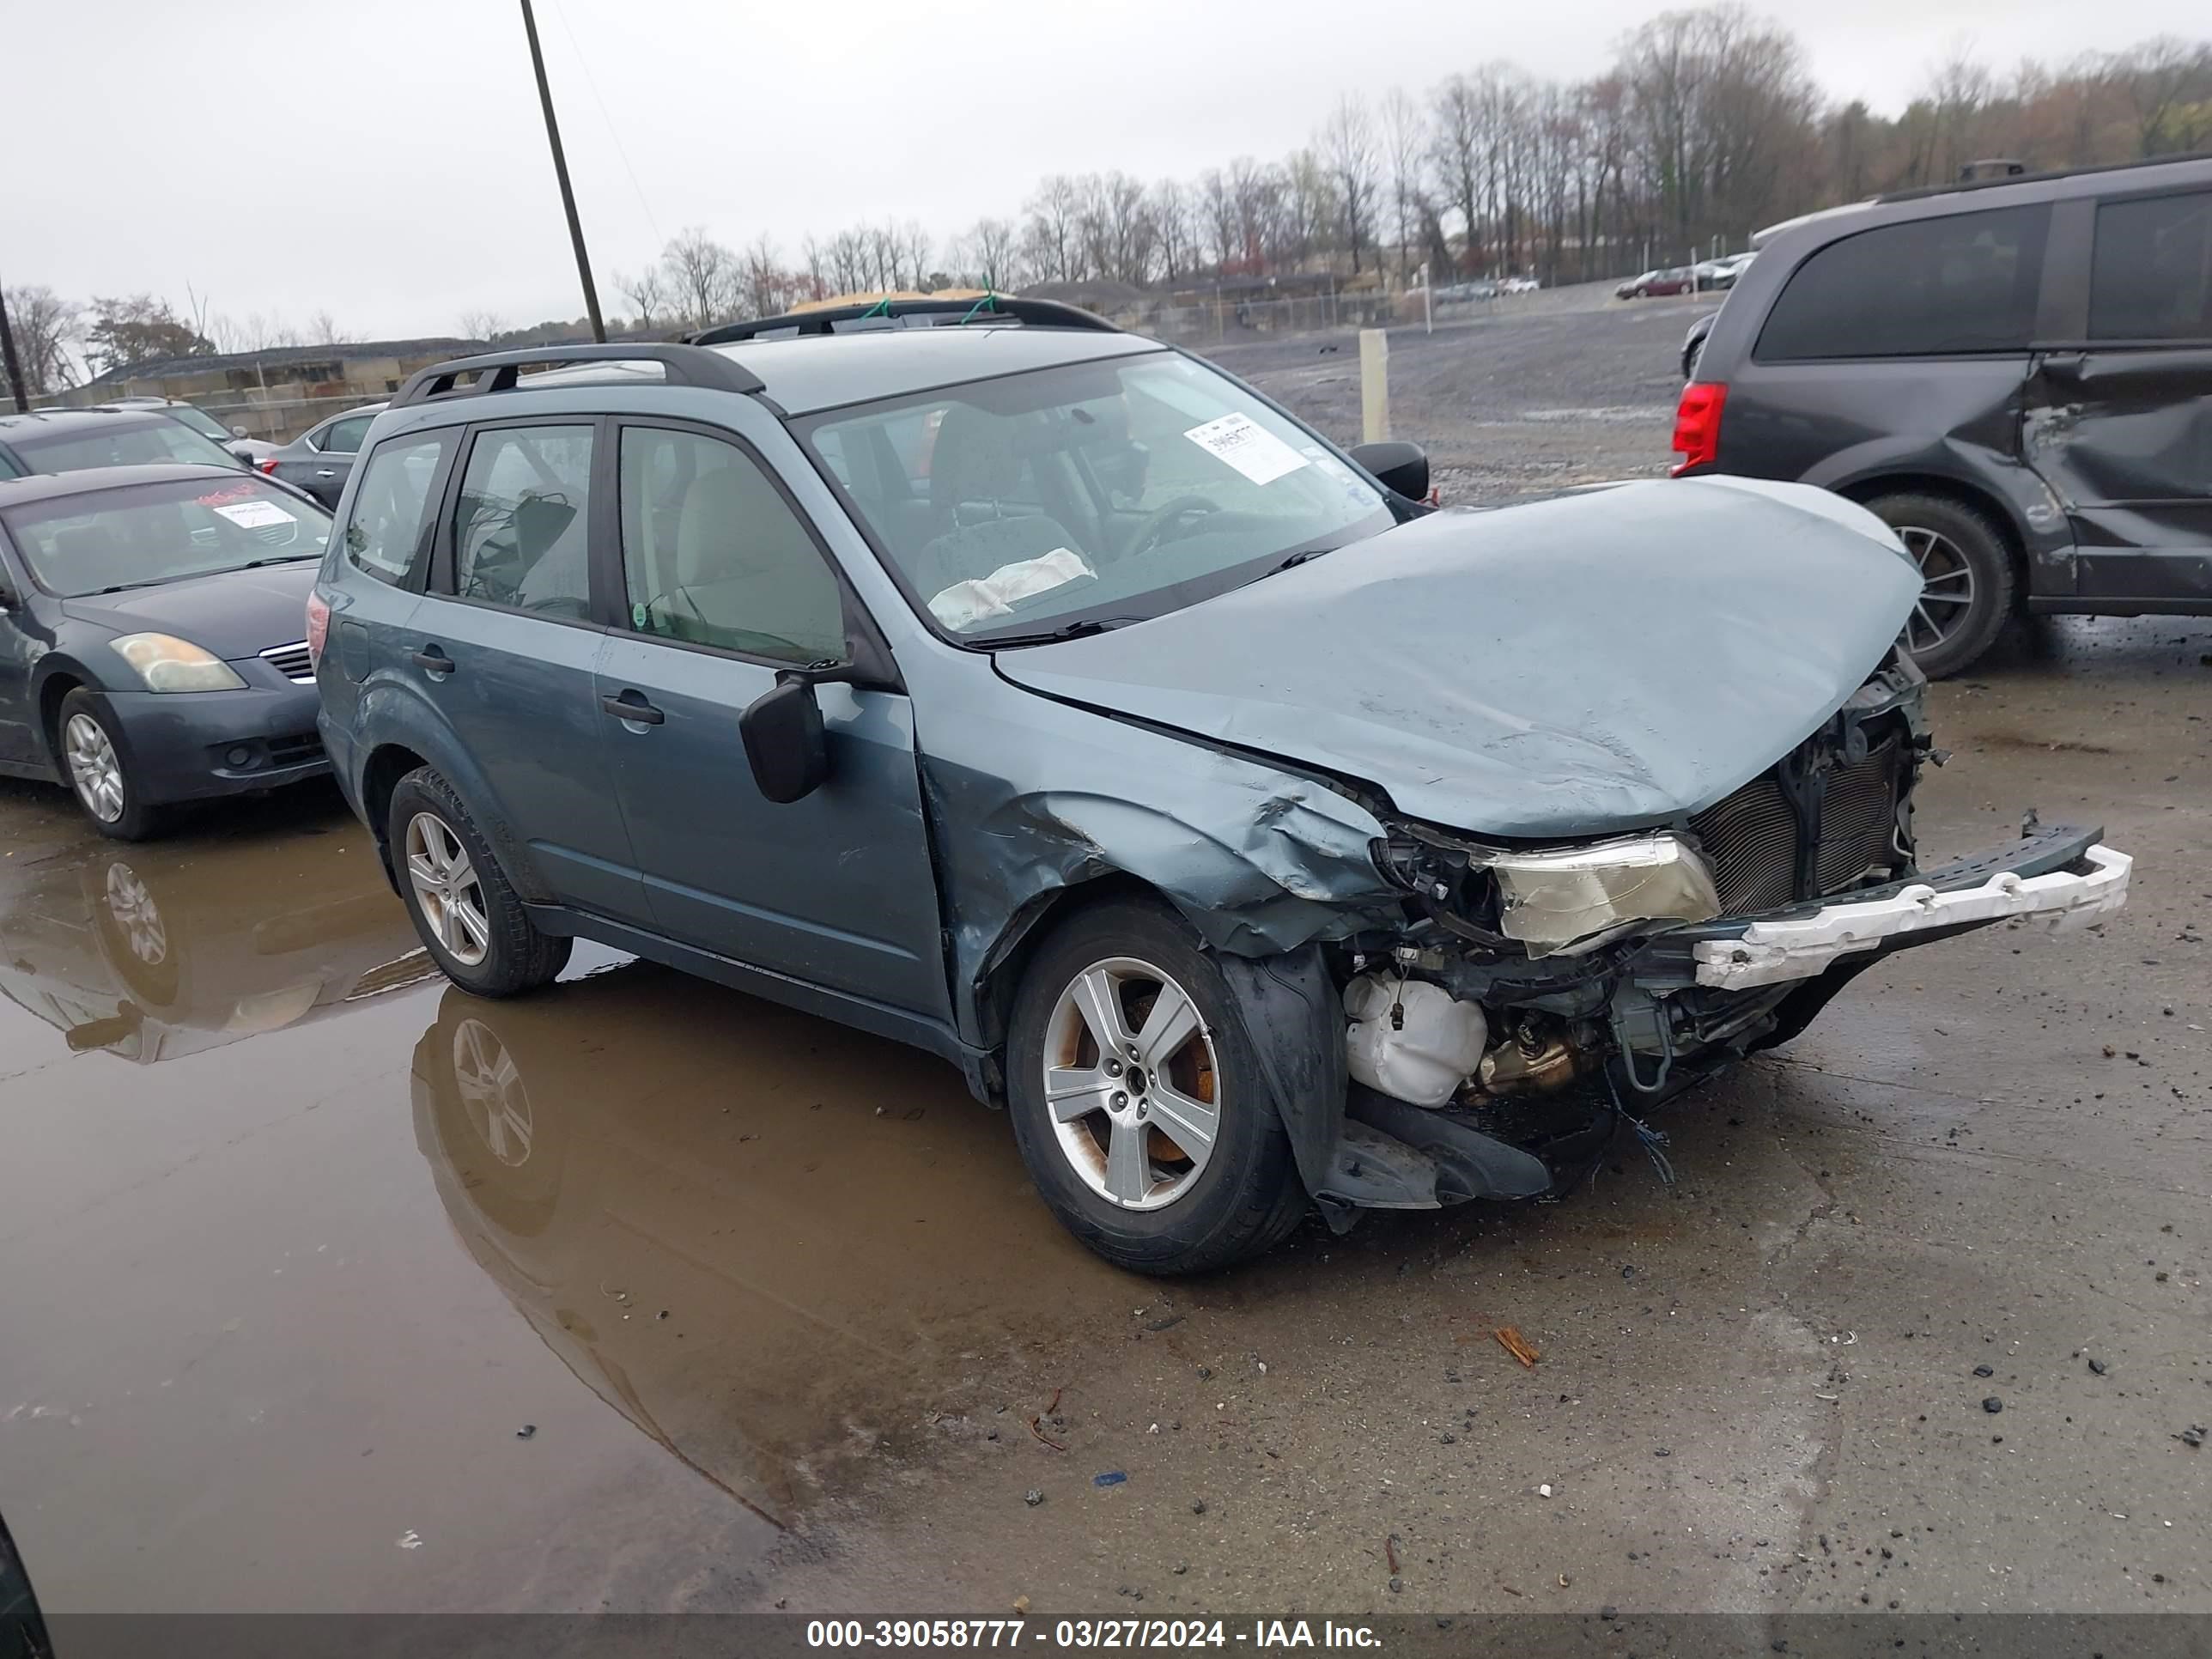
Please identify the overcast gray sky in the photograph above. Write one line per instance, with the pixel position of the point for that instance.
(384, 160)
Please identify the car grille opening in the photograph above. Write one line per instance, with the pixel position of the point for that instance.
(1751, 839)
(292, 662)
(294, 750)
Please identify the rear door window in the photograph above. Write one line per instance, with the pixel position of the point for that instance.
(2150, 275)
(386, 531)
(522, 531)
(1963, 283)
(343, 437)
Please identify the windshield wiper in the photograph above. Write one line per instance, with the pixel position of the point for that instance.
(1297, 559)
(1075, 630)
(288, 558)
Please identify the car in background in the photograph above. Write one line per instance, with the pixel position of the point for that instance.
(151, 637)
(1674, 279)
(2014, 373)
(232, 438)
(1065, 748)
(1519, 285)
(75, 439)
(320, 459)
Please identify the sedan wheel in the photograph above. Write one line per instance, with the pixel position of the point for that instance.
(1946, 595)
(1131, 1078)
(446, 887)
(95, 770)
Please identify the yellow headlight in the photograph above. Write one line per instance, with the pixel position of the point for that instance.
(168, 664)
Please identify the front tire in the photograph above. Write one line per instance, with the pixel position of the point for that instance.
(469, 915)
(92, 757)
(1967, 575)
(1138, 1102)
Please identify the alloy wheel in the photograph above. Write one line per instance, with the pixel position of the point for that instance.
(1947, 585)
(492, 1094)
(95, 770)
(447, 889)
(137, 915)
(1132, 1083)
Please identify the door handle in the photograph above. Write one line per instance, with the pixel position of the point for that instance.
(325, 472)
(434, 662)
(631, 706)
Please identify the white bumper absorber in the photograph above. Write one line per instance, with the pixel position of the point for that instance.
(1798, 947)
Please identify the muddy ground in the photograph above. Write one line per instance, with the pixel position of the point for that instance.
(326, 1286)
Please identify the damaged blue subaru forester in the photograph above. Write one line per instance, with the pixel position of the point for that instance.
(1027, 690)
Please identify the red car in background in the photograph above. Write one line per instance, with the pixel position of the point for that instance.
(1678, 279)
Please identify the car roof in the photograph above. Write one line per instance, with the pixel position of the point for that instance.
(819, 371)
(806, 376)
(90, 481)
(40, 421)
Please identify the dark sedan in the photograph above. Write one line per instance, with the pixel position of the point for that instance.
(75, 439)
(320, 459)
(151, 648)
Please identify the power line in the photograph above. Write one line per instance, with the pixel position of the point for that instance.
(607, 117)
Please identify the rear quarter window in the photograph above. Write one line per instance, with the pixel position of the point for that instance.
(1962, 283)
(382, 535)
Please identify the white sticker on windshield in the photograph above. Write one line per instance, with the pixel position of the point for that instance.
(964, 604)
(1249, 447)
(254, 515)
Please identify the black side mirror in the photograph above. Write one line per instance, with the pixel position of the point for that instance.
(782, 731)
(1398, 467)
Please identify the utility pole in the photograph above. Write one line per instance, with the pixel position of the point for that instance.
(561, 172)
(8, 357)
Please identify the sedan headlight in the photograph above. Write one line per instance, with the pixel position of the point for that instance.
(1576, 897)
(168, 664)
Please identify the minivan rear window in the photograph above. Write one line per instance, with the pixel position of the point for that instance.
(1962, 283)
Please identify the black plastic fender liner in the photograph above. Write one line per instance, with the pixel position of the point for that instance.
(1294, 1015)
(1470, 1164)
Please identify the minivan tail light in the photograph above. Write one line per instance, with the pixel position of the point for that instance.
(318, 626)
(1698, 426)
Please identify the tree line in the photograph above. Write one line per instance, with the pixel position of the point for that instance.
(1705, 125)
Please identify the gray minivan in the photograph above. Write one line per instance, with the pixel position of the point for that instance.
(2015, 373)
(1031, 692)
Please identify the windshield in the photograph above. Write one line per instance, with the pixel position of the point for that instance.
(119, 442)
(145, 534)
(1105, 491)
(200, 421)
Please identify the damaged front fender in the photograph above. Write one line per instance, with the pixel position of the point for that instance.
(1259, 861)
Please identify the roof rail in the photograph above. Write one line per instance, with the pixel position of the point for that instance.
(2024, 177)
(497, 371)
(867, 318)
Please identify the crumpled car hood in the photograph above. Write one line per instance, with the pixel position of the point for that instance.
(1573, 668)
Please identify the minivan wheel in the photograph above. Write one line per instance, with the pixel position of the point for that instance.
(98, 776)
(468, 914)
(1967, 577)
(1138, 1102)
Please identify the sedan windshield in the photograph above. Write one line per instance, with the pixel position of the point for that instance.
(121, 442)
(1093, 492)
(143, 535)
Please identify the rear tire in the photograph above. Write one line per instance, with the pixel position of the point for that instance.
(469, 915)
(1171, 1205)
(1969, 579)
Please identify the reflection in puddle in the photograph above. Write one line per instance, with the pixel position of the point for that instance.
(772, 1244)
(150, 953)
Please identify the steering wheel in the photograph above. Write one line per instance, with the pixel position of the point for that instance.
(1155, 523)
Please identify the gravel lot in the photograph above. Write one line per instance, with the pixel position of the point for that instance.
(328, 1287)
(1548, 391)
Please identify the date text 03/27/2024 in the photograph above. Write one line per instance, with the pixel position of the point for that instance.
(1064, 1633)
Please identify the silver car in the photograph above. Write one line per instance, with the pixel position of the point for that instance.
(1256, 837)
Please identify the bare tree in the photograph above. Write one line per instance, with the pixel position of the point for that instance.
(1456, 149)
(481, 325)
(45, 326)
(1052, 235)
(1218, 207)
(1348, 151)
(987, 255)
(1168, 206)
(1403, 134)
(648, 292)
(2167, 84)
(704, 273)
(323, 329)
(767, 285)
